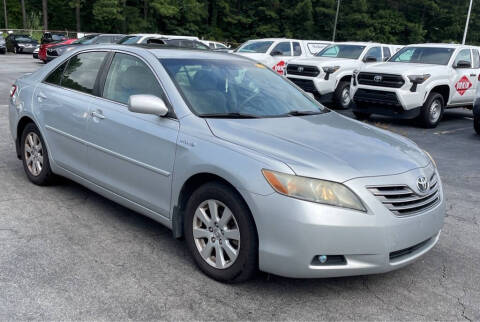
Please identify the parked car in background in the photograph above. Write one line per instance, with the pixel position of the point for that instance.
(19, 43)
(251, 171)
(58, 50)
(3, 46)
(276, 52)
(419, 81)
(35, 52)
(327, 75)
(51, 37)
(215, 45)
(42, 53)
(150, 38)
(186, 43)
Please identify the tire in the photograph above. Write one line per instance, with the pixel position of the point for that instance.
(361, 116)
(476, 124)
(341, 96)
(211, 237)
(35, 148)
(15, 50)
(432, 111)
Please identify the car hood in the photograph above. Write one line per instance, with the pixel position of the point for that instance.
(324, 61)
(404, 68)
(326, 146)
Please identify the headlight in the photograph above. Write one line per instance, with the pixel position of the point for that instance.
(418, 79)
(21, 45)
(330, 69)
(315, 190)
(431, 158)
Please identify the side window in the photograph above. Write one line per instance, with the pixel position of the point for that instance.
(463, 55)
(55, 77)
(282, 49)
(476, 59)
(386, 53)
(128, 76)
(374, 52)
(297, 49)
(82, 70)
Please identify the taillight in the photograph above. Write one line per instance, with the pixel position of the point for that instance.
(13, 90)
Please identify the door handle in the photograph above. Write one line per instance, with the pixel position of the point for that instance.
(97, 115)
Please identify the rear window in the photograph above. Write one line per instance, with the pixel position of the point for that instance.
(55, 77)
(82, 70)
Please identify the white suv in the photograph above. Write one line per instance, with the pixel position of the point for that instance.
(276, 52)
(419, 81)
(328, 74)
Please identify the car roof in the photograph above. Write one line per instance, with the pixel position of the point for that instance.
(441, 45)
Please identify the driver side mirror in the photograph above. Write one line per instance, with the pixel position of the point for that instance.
(370, 59)
(276, 53)
(463, 64)
(147, 104)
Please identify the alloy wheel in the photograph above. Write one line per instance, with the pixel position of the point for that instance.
(346, 97)
(216, 234)
(435, 111)
(34, 154)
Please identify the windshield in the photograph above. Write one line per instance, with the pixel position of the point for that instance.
(255, 47)
(23, 38)
(128, 40)
(423, 55)
(85, 40)
(58, 37)
(237, 89)
(342, 51)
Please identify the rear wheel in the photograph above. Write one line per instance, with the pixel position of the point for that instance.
(476, 124)
(432, 111)
(342, 95)
(220, 233)
(35, 156)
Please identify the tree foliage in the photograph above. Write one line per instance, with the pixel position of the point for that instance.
(389, 21)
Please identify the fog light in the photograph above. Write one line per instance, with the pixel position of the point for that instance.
(322, 259)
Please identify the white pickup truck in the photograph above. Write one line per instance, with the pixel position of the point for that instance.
(328, 74)
(419, 81)
(276, 52)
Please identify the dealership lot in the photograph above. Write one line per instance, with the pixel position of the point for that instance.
(67, 253)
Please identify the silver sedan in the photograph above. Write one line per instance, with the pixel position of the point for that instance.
(250, 170)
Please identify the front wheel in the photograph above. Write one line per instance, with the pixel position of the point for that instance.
(476, 124)
(342, 95)
(432, 111)
(220, 233)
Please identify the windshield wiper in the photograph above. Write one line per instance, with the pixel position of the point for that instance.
(303, 113)
(233, 115)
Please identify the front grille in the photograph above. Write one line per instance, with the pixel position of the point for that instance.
(401, 200)
(376, 97)
(383, 80)
(302, 70)
(305, 84)
(408, 251)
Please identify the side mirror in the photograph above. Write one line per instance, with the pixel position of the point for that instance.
(463, 64)
(370, 59)
(276, 53)
(147, 104)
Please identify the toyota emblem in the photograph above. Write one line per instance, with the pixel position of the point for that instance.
(422, 184)
(378, 78)
(300, 69)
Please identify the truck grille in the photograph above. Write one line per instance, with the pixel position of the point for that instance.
(302, 70)
(383, 80)
(376, 97)
(401, 200)
(305, 84)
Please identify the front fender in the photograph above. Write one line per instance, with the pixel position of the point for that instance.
(432, 85)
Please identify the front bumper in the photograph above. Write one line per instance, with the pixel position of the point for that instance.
(317, 85)
(293, 233)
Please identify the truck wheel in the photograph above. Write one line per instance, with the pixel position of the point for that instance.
(432, 111)
(476, 124)
(342, 95)
(361, 116)
(220, 233)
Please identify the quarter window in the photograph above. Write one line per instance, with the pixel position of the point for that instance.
(476, 59)
(82, 70)
(386, 53)
(128, 76)
(283, 49)
(297, 49)
(56, 76)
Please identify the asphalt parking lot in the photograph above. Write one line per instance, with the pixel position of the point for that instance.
(67, 253)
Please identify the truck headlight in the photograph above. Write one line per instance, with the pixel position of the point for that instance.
(431, 158)
(418, 79)
(314, 190)
(330, 69)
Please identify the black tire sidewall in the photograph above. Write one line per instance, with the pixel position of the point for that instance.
(425, 112)
(246, 263)
(46, 176)
(338, 95)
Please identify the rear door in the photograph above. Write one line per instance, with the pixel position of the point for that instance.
(132, 154)
(62, 104)
(464, 79)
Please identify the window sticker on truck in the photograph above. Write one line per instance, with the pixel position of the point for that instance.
(463, 85)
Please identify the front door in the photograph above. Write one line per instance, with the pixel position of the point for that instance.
(132, 154)
(281, 54)
(464, 79)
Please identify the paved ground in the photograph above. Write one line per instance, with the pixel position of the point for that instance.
(68, 253)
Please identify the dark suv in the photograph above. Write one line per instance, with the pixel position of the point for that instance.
(21, 43)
